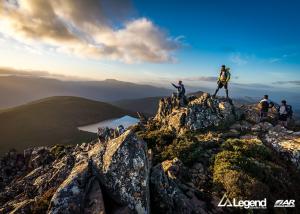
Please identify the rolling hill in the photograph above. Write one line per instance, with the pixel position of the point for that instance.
(52, 120)
(24, 89)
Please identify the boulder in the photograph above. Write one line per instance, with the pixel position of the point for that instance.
(167, 191)
(242, 126)
(123, 168)
(69, 197)
(251, 113)
(285, 142)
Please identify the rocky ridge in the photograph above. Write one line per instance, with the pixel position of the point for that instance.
(181, 161)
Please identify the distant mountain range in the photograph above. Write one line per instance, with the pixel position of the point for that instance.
(51, 121)
(18, 90)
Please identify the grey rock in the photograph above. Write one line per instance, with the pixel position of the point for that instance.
(200, 114)
(124, 171)
(167, 192)
(285, 142)
(69, 197)
(94, 203)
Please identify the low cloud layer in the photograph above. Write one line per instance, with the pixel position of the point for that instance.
(87, 28)
(293, 82)
(4, 72)
(202, 78)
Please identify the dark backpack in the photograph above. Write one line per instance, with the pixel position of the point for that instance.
(289, 110)
(182, 89)
(264, 105)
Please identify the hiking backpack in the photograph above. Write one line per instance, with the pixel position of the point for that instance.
(264, 105)
(289, 110)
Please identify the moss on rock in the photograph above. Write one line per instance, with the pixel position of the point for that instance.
(246, 169)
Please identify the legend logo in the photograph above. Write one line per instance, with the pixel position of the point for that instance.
(247, 204)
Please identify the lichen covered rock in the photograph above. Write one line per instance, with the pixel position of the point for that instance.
(124, 171)
(69, 197)
(200, 114)
(167, 190)
(285, 142)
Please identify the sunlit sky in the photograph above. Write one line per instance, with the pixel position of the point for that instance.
(154, 41)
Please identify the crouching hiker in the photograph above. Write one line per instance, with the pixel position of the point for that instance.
(180, 93)
(285, 113)
(120, 129)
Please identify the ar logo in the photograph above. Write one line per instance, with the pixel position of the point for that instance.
(285, 203)
(225, 202)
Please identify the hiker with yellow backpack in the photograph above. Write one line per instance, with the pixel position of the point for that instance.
(223, 80)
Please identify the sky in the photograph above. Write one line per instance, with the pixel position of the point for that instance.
(156, 41)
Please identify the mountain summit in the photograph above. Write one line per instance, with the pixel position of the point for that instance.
(183, 160)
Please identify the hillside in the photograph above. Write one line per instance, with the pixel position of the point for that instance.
(24, 89)
(51, 121)
(184, 160)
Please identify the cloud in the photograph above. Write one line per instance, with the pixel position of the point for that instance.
(238, 59)
(273, 60)
(294, 82)
(281, 58)
(5, 71)
(90, 28)
(202, 78)
(256, 86)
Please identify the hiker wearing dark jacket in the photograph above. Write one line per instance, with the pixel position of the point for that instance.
(180, 88)
(285, 113)
(180, 92)
(223, 80)
(264, 104)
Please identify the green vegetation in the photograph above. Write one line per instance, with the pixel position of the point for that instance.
(52, 121)
(244, 169)
(189, 148)
(247, 169)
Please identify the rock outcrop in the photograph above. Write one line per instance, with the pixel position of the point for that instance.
(200, 114)
(75, 177)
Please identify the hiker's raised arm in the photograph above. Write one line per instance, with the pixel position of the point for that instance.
(174, 85)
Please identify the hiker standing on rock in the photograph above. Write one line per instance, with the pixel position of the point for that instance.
(285, 113)
(223, 80)
(180, 92)
(264, 105)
